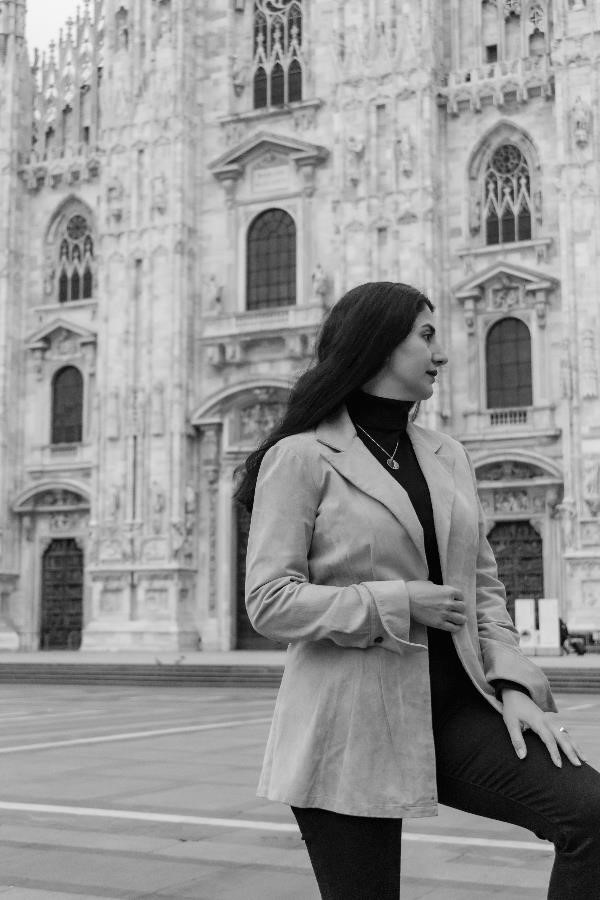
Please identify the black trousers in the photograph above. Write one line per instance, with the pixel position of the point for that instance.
(478, 771)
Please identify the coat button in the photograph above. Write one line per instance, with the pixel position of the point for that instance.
(379, 640)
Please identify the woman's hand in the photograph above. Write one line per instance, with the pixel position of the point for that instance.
(436, 605)
(520, 712)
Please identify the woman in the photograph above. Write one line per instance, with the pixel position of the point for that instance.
(404, 682)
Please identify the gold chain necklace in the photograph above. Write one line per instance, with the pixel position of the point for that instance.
(390, 461)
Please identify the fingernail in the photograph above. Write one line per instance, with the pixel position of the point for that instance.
(521, 752)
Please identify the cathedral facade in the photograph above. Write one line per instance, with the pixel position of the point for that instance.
(186, 187)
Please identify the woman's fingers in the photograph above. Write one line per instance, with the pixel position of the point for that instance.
(516, 737)
(569, 748)
(550, 741)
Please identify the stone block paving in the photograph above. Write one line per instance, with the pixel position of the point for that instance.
(176, 762)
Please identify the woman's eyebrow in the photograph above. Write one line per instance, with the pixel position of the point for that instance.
(431, 328)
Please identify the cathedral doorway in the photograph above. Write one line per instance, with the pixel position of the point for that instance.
(518, 550)
(247, 637)
(62, 596)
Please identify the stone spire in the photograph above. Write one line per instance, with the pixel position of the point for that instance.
(12, 26)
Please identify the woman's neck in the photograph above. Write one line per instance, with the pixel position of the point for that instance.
(378, 413)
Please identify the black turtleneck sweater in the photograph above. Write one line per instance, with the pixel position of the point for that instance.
(385, 420)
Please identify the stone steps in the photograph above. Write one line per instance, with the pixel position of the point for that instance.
(562, 680)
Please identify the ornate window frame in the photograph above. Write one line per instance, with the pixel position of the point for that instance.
(502, 133)
(277, 42)
(70, 209)
(507, 290)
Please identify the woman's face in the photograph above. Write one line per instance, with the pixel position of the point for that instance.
(407, 373)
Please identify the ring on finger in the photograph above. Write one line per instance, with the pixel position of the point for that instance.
(563, 729)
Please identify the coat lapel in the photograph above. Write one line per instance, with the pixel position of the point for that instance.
(355, 463)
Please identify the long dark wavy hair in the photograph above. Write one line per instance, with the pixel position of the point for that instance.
(355, 339)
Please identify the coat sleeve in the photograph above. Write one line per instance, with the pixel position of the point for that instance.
(282, 603)
(503, 659)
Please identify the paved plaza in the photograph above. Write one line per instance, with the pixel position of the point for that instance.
(147, 792)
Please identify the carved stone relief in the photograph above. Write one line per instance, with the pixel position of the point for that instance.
(509, 469)
(258, 420)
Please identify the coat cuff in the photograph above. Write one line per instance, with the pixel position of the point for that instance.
(390, 626)
(504, 662)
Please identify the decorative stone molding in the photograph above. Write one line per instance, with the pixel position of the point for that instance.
(63, 340)
(266, 147)
(505, 288)
(496, 84)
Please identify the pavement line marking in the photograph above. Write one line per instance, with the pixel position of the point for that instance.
(257, 825)
(580, 706)
(133, 735)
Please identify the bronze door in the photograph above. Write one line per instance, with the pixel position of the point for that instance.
(518, 550)
(62, 596)
(247, 637)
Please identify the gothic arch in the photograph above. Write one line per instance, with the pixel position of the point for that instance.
(70, 206)
(25, 500)
(549, 467)
(503, 132)
(70, 269)
(212, 408)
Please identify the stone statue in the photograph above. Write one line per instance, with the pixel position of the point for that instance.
(581, 119)
(319, 283)
(404, 153)
(159, 194)
(158, 508)
(114, 502)
(114, 199)
(355, 148)
(214, 295)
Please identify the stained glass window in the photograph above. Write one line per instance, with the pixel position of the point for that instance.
(278, 60)
(271, 263)
(508, 364)
(67, 406)
(507, 200)
(76, 261)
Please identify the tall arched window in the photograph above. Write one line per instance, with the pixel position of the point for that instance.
(76, 260)
(67, 406)
(508, 364)
(278, 62)
(271, 260)
(507, 201)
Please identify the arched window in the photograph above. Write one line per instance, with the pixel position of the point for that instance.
(271, 260)
(508, 364)
(67, 406)
(278, 62)
(507, 201)
(75, 261)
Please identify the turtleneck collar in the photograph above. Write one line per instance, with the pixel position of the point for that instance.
(378, 413)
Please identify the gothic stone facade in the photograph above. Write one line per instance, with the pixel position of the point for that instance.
(185, 187)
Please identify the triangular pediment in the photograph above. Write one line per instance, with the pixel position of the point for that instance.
(504, 274)
(60, 329)
(233, 163)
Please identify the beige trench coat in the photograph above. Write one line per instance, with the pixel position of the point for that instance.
(333, 541)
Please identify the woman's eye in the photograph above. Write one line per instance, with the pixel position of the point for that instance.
(428, 336)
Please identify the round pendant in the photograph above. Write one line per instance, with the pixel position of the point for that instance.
(393, 464)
